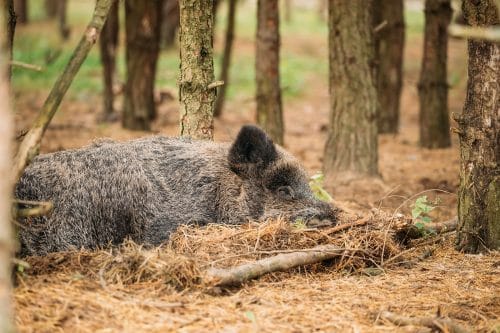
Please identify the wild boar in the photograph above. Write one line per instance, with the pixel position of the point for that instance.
(145, 188)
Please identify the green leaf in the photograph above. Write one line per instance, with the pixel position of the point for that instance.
(420, 226)
(425, 219)
(299, 224)
(316, 185)
(415, 212)
(251, 316)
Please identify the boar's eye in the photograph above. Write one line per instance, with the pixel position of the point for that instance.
(285, 192)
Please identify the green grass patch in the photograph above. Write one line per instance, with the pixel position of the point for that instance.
(39, 43)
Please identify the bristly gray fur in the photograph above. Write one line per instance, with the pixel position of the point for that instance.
(144, 189)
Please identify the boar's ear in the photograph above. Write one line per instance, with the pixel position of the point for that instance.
(252, 150)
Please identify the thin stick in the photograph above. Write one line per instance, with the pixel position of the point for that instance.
(281, 262)
(437, 323)
(30, 145)
(24, 65)
(41, 208)
(490, 33)
(345, 226)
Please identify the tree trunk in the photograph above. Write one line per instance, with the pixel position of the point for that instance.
(196, 88)
(267, 61)
(226, 58)
(7, 41)
(62, 13)
(479, 126)
(170, 23)
(351, 148)
(30, 145)
(21, 9)
(108, 44)
(287, 8)
(6, 237)
(389, 41)
(142, 24)
(433, 85)
(51, 8)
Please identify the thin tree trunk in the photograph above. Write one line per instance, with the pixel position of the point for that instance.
(389, 49)
(51, 8)
(142, 24)
(64, 30)
(267, 59)
(287, 10)
(433, 85)
(322, 9)
(226, 58)
(351, 148)
(169, 23)
(196, 83)
(30, 145)
(108, 44)
(9, 21)
(6, 236)
(21, 9)
(479, 126)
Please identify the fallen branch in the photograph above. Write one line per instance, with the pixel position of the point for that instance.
(435, 323)
(345, 226)
(24, 65)
(39, 208)
(489, 33)
(29, 147)
(408, 231)
(281, 262)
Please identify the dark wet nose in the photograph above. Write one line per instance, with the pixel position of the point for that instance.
(319, 213)
(326, 212)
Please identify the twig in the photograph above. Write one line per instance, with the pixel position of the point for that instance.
(380, 27)
(489, 33)
(41, 208)
(440, 227)
(436, 323)
(409, 231)
(281, 262)
(417, 194)
(344, 226)
(30, 145)
(24, 65)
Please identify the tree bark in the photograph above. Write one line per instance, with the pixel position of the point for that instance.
(479, 124)
(433, 85)
(30, 145)
(51, 8)
(7, 41)
(351, 147)
(267, 61)
(226, 58)
(6, 236)
(62, 14)
(196, 89)
(287, 8)
(21, 9)
(142, 24)
(389, 43)
(108, 44)
(169, 23)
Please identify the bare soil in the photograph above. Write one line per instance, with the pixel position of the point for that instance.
(463, 287)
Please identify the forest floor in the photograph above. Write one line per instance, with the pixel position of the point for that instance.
(463, 287)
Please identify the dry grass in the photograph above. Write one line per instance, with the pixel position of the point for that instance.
(132, 288)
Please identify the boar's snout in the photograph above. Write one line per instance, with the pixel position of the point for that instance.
(308, 211)
(317, 211)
